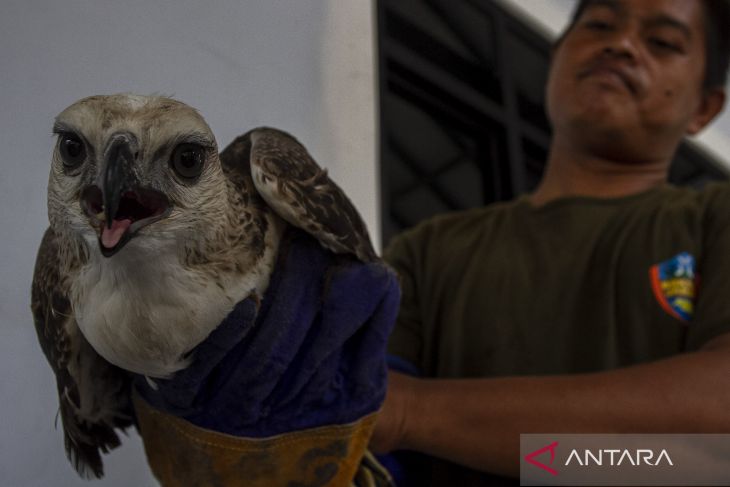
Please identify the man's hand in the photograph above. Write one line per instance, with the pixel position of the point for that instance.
(390, 429)
(477, 422)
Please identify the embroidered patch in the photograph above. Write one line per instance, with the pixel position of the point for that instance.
(674, 282)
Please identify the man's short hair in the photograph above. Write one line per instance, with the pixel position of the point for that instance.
(717, 47)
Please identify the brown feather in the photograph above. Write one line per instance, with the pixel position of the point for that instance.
(302, 193)
(85, 438)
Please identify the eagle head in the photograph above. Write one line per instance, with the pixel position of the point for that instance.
(124, 162)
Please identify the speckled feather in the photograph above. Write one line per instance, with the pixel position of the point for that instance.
(302, 193)
(91, 411)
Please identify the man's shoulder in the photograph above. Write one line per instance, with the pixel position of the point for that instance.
(714, 195)
(450, 233)
(707, 203)
(464, 222)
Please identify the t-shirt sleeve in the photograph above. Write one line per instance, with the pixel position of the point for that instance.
(712, 312)
(406, 340)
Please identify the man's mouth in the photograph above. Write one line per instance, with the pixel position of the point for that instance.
(137, 208)
(610, 72)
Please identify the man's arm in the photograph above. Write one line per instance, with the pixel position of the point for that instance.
(477, 422)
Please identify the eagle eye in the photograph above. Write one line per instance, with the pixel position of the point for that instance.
(188, 160)
(72, 149)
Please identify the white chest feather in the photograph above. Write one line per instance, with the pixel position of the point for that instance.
(143, 311)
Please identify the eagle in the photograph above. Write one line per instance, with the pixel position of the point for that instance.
(153, 238)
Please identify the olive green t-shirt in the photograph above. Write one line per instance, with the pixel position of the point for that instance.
(578, 285)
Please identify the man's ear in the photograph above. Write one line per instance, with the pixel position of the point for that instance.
(713, 100)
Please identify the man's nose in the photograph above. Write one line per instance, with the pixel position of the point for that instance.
(624, 43)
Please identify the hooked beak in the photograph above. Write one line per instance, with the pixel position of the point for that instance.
(119, 206)
(118, 176)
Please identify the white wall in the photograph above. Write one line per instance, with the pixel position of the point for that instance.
(302, 65)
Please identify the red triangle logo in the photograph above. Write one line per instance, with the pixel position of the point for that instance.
(530, 457)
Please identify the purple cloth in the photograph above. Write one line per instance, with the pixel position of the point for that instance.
(312, 355)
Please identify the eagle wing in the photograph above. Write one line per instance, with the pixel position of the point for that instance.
(93, 395)
(301, 192)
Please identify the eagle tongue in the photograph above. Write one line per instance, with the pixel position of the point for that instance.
(110, 237)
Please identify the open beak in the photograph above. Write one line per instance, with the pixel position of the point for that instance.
(121, 204)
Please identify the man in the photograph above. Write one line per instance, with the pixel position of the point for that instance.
(575, 309)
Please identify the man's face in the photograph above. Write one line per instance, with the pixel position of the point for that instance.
(629, 76)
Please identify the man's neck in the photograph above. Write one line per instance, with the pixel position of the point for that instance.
(574, 173)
